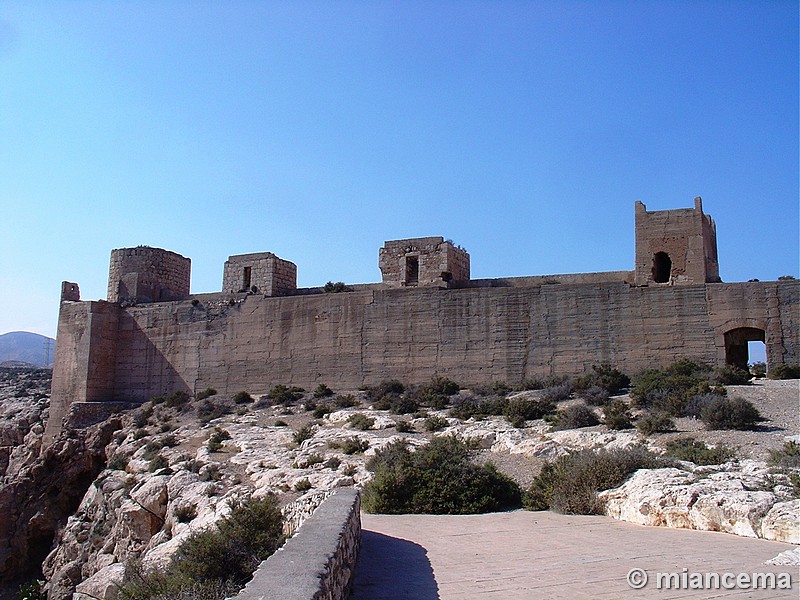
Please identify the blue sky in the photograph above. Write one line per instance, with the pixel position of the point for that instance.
(524, 131)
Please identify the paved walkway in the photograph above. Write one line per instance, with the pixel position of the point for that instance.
(521, 554)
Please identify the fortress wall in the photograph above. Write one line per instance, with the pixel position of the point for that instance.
(84, 364)
(532, 280)
(470, 335)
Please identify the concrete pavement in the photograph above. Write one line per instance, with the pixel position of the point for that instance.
(525, 555)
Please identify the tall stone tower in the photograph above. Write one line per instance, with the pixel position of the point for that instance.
(675, 247)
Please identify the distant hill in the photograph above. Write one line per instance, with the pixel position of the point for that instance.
(23, 346)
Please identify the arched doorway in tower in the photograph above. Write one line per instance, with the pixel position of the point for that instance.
(737, 345)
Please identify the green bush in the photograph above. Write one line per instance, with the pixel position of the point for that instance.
(213, 559)
(519, 410)
(280, 423)
(157, 463)
(435, 423)
(651, 423)
(784, 372)
(352, 445)
(575, 417)
(242, 398)
(403, 405)
(603, 376)
(281, 394)
(335, 288)
(206, 393)
(788, 456)
(497, 388)
(730, 413)
(389, 387)
(322, 391)
(304, 433)
(669, 390)
(302, 486)
(321, 411)
(595, 395)
(119, 462)
(616, 415)
(177, 398)
(731, 375)
(216, 439)
(570, 484)
(557, 393)
(694, 407)
(759, 370)
(208, 410)
(185, 513)
(345, 401)
(697, 452)
(360, 421)
(404, 427)
(32, 590)
(466, 407)
(441, 385)
(438, 478)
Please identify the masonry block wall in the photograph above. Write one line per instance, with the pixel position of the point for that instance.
(474, 331)
(422, 262)
(262, 272)
(470, 335)
(145, 274)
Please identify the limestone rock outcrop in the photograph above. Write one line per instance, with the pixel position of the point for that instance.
(734, 498)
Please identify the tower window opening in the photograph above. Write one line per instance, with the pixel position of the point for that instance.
(662, 267)
(246, 278)
(412, 270)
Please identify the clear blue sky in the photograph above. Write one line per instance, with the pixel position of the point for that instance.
(524, 131)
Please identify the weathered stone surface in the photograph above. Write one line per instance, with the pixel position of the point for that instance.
(734, 500)
(782, 522)
(103, 585)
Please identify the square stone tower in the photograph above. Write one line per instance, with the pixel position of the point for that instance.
(675, 247)
(422, 262)
(262, 272)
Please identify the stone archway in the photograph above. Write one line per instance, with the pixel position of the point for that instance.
(736, 351)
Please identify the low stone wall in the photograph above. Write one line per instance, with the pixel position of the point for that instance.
(319, 561)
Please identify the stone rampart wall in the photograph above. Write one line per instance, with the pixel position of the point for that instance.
(470, 335)
(319, 560)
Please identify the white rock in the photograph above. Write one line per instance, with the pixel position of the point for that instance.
(782, 523)
(103, 585)
(787, 557)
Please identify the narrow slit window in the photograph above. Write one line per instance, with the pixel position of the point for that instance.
(412, 270)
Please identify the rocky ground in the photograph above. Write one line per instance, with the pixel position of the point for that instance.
(163, 479)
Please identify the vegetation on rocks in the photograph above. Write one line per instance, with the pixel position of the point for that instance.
(698, 452)
(213, 561)
(570, 484)
(438, 478)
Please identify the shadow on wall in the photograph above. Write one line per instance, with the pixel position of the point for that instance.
(146, 364)
(392, 569)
